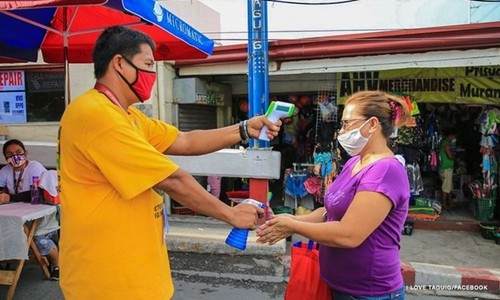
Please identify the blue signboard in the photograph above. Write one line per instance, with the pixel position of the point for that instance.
(12, 97)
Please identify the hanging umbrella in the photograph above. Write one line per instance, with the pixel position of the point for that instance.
(66, 30)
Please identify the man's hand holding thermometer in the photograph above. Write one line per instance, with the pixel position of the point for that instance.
(276, 111)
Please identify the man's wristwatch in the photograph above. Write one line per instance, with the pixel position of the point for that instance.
(244, 132)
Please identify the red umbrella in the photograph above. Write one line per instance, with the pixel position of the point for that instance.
(66, 30)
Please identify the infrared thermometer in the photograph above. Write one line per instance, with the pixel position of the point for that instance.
(276, 111)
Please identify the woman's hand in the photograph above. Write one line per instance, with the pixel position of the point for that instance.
(275, 229)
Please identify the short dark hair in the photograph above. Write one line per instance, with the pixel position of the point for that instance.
(12, 142)
(117, 40)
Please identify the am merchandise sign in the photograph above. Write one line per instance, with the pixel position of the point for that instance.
(476, 84)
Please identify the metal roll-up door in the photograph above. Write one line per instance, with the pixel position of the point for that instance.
(197, 116)
(192, 117)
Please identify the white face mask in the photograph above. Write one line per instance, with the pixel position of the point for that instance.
(352, 141)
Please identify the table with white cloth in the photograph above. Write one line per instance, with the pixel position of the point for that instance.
(18, 223)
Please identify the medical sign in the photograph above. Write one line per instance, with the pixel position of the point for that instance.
(13, 107)
(12, 81)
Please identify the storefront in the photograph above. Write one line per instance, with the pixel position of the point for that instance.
(462, 100)
(465, 99)
(33, 94)
(450, 87)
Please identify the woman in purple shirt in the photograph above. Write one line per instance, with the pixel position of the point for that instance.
(360, 226)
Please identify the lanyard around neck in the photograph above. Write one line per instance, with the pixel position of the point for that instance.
(109, 94)
(17, 181)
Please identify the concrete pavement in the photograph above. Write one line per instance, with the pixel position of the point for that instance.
(451, 263)
(436, 264)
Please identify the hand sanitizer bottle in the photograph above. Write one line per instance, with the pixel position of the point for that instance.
(35, 192)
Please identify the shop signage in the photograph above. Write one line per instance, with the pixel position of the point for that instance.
(13, 107)
(12, 81)
(12, 97)
(480, 84)
(45, 81)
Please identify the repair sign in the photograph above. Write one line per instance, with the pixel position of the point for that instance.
(12, 80)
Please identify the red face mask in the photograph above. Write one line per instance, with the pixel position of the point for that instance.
(143, 84)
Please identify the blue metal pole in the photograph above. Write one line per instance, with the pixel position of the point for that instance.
(257, 77)
(257, 62)
(266, 63)
(250, 63)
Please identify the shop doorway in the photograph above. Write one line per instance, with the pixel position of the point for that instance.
(421, 146)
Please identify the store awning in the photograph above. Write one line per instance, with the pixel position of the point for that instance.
(406, 41)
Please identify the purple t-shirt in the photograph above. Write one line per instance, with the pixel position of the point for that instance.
(372, 268)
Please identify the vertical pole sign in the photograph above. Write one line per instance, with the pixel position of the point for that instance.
(258, 62)
(258, 88)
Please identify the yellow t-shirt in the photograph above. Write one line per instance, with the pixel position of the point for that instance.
(112, 244)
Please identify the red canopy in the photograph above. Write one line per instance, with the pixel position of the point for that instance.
(64, 27)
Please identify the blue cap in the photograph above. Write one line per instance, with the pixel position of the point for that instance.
(237, 238)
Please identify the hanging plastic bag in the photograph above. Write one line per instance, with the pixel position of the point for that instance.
(305, 281)
(328, 110)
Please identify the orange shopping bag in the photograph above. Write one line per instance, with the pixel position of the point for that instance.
(305, 282)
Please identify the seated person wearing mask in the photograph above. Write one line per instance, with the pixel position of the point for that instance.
(15, 181)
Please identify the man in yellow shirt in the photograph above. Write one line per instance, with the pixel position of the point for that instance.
(111, 161)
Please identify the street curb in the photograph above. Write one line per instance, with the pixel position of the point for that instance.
(207, 235)
(216, 245)
(422, 276)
